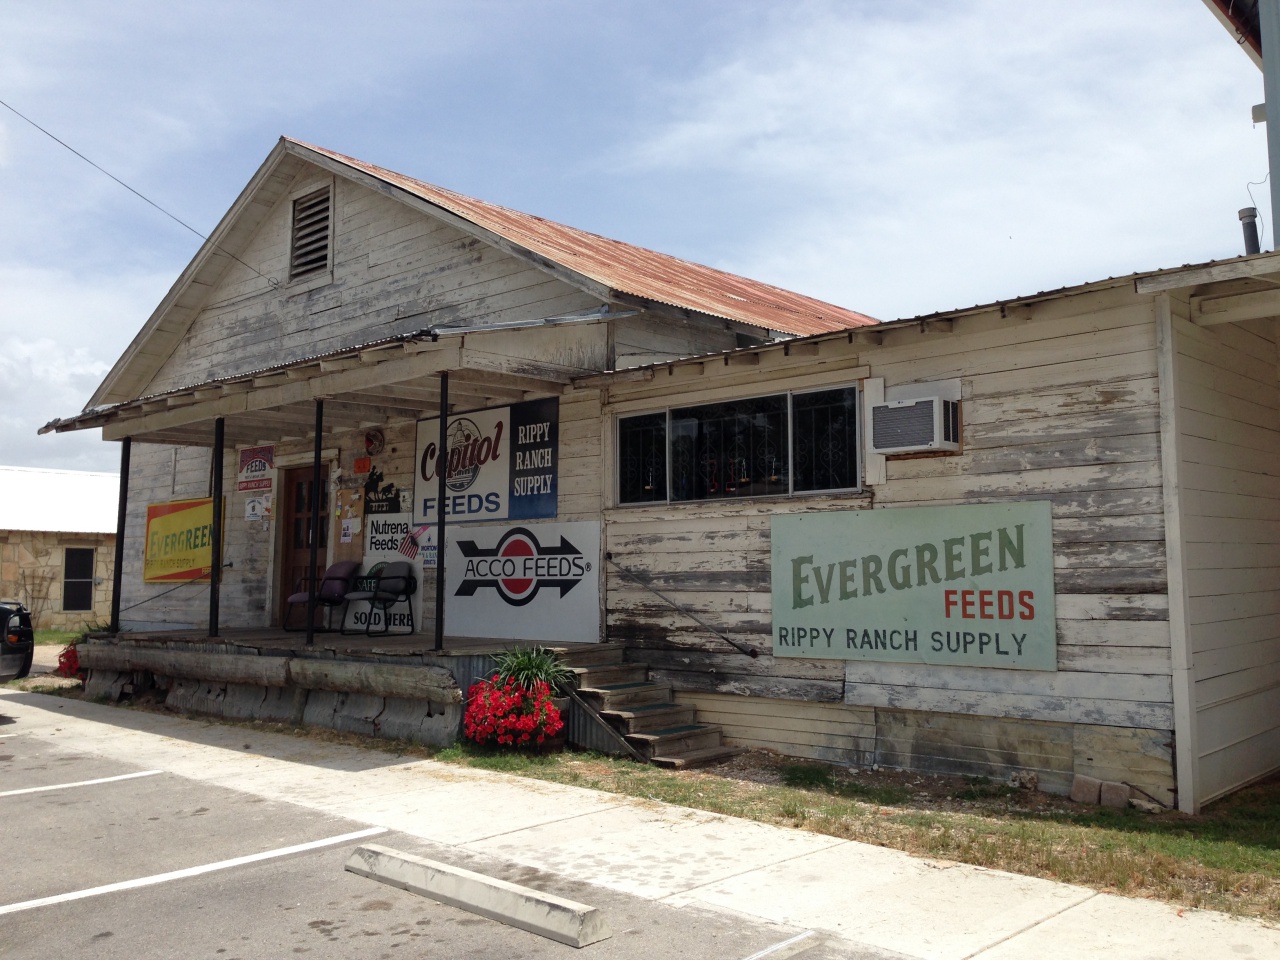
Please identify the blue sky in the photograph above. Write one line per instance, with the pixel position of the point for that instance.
(893, 158)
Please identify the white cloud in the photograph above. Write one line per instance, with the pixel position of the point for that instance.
(945, 155)
(61, 332)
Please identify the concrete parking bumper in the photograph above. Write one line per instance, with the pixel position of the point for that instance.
(542, 913)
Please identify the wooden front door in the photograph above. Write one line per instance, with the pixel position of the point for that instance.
(295, 538)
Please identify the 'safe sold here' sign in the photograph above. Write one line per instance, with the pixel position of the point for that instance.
(963, 585)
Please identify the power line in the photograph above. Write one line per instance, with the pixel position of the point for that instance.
(63, 143)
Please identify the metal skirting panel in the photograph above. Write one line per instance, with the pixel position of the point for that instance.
(586, 732)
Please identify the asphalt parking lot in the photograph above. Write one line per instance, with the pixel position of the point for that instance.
(194, 870)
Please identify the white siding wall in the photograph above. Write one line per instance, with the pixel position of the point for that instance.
(1060, 403)
(1229, 475)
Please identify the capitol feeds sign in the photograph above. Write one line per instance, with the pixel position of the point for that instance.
(539, 581)
(500, 464)
(962, 585)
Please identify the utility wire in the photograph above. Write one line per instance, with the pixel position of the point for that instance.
(63, 143)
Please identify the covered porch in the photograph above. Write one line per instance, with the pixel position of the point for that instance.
(315, 413)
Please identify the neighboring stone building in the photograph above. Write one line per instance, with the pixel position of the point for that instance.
(57, 543)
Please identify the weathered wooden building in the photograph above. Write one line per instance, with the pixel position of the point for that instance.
(1068, 572)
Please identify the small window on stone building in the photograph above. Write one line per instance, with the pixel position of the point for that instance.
(77, 579)
(309, 249)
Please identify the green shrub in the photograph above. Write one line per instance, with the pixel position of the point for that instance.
(526, 666)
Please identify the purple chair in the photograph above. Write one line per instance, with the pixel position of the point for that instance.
(332, 591)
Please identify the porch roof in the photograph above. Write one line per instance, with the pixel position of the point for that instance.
(368, 385)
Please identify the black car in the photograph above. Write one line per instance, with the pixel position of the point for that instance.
(17, 641)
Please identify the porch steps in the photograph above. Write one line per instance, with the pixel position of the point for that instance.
(644, 711)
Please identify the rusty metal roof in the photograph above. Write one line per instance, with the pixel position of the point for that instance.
(628, 269)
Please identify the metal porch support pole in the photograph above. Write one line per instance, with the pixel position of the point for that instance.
(117, 572)
(442, 468)
(316, 481)
(1269, 21)
(215, 568)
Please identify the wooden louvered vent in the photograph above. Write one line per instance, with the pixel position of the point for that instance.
(310, 234)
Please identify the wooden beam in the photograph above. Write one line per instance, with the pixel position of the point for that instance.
(595, 381)
(1255, 266)
(1211, 311)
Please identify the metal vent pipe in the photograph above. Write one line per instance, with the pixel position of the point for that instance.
(1249, 221)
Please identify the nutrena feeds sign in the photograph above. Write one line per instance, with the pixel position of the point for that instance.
(964, 585)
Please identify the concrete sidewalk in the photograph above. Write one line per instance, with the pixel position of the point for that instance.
(862, 894)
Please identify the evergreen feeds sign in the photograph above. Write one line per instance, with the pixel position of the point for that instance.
(965, 585)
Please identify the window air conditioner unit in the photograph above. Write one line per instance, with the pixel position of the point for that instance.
(924, 425)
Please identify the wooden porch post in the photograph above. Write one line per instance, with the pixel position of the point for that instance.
(117, 572)
(441, 491)
(313, 574)
(215, 571)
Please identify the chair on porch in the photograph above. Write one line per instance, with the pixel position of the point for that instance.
(332, 592)
(394, 583)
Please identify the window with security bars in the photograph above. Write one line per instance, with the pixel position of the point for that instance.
(77, 578)
(758, 446)
(309, 247)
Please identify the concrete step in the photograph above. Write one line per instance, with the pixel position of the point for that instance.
(614, 696)
(675, 741)
(591, 654)
(696, 758)
(651, 716)
(603, 675)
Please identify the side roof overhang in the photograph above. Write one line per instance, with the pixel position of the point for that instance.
(1217, 291)
(615, 272)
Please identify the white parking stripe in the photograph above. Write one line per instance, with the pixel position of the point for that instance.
(80, 783)
(787, 948)
(190, 871)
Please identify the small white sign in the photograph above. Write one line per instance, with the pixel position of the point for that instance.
(537, 581)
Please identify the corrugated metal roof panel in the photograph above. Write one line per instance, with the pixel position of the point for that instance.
(630, 269)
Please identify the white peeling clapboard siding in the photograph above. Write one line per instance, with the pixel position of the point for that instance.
(158, 473)
(1229, 473)
(394, 271)
(1062, 407)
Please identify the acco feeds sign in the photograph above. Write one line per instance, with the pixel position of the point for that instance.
(536, 582)
(964, 585)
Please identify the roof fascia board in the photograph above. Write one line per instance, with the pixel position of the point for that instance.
(411, 367)
(1259, 265)
(942, 322)
(377, 184)
(211, 248)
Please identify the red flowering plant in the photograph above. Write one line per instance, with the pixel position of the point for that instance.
(514, 707)
(503, 713)
(69, 663)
